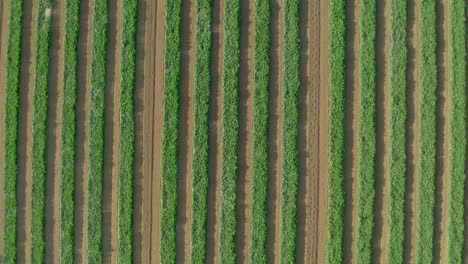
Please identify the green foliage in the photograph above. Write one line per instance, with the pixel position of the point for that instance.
(68, 150)
(39, 137)
(367, 132)
(170, 133)
(336, 150)
(200, 136)
(398, 116)
(290, 161)
(96, 131)
(258, 250)
(457, 130)
(127, 129)
(11, 130)
(427, 140)
(229, 168)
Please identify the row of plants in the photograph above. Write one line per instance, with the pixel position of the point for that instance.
(203, 37)
(68, 145)
(230, 123)
(367, 131)
(96, 130)
(398, 117)
(15, 23)
(290, 154)
(458, 110)
(427, 128)
(39, 126)
(170, 131)
(127, 129)
(261, 60)
(336, 151)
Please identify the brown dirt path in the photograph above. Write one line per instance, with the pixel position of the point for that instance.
(383, 133)
(82, 136)
(54, 133)
(274, 133)
(412, 130)
(112, 135)
(28, 57)
(351, 129)
(4, 12)
(244, 184)
(187, 82)
(443, 126)
(215, 128)
(152, 125)
(140, 215)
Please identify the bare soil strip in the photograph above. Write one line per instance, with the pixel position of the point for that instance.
(443, 126)
(321, 246)
(112, 135)
(141, 200)
(244, 184)
(351, 129)
(153, 90)
(4, 11)
(28, 57)
(187, 82)
(82, 136)
(274, 133)
(54, 133)
(215, 128)
(412, 131)
(383, 132)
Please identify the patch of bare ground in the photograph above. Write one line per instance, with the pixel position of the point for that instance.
(443, 123)
(54, 132)
(215, 128)
(152, 125)
(383, 135)
(351, 129)
(187, 81)
(4, 11)
(82, 136)
(274, 133)
(112, 134)
(321, 246)
(412, 130)
(141, 200)
(244, 184)
(28, 55)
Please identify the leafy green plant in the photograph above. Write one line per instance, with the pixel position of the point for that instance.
(258, 250)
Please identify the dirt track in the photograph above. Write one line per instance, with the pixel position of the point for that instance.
(4, 12)
(351, 129)
(54, 133)
(112, 135)
(82, 134)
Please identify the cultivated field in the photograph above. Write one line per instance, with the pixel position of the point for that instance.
(233, 131)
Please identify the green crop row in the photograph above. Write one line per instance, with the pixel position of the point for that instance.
(230, 120)
(39, 137)
(258, 250)
(11, 130)
(200, 136)
(127, 129)
(290, 155)
(398, 116)
(96, 131)
(427, 140)
(336, 147)
(70, 90)
(457, 130)
(367, 131)
(170, 142)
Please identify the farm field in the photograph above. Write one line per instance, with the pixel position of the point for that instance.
(233, 131)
